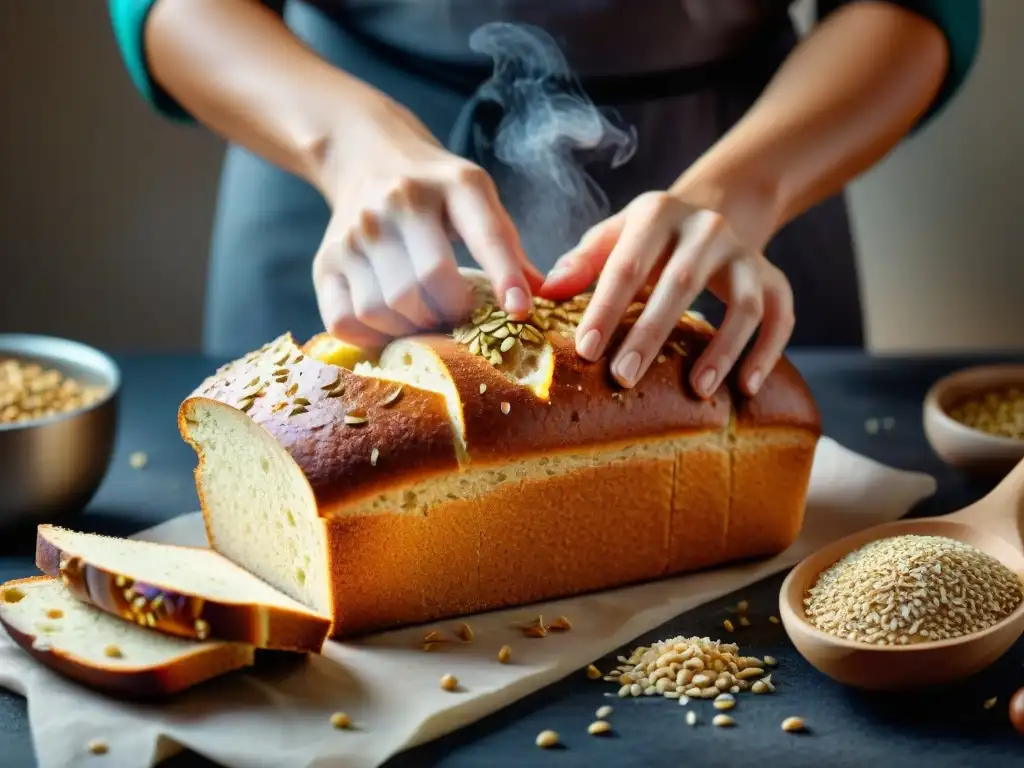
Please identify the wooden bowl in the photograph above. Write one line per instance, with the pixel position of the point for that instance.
(964, 447)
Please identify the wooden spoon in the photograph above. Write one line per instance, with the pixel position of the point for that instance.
(995, 525)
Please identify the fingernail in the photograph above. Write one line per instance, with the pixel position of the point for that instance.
(754, 382)
(627, 368)
(706, 381)
(556, 274)
(516, 301)
(590, 345)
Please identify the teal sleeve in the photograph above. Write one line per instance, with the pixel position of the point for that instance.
(960, 22)
(129, 21)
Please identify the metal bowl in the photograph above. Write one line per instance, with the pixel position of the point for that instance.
(51, 467)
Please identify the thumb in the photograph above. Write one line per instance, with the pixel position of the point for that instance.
(577, 270)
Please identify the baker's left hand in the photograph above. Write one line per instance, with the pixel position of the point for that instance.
(661, 243)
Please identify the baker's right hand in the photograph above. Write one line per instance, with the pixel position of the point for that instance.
(386, 267)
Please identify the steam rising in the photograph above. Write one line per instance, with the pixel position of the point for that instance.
(549, 132)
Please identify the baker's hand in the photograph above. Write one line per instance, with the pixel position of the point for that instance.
(676, 250)
(385, 267)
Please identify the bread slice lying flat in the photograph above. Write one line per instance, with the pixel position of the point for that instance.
(185, 591)
(489, 468)
(104, 652)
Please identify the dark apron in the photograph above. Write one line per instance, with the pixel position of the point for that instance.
(269, 223)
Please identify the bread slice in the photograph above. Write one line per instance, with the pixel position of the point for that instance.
(185, 591)
(103, 652)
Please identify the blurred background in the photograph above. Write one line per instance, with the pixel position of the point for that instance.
(106, 208)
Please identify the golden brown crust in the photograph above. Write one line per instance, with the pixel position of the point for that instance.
(594, 528)
(784, 400)
(190, 616)
(584, 407)
(205, 662)
(410, 431)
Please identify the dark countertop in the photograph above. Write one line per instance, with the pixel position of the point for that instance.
(847, 728)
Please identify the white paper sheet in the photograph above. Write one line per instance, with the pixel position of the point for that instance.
(278, 718)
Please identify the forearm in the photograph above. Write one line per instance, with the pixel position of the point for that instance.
(842, 101)
(236, 68)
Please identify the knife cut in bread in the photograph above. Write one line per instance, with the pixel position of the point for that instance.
(104, 652)
(490, 467)
(190, 592)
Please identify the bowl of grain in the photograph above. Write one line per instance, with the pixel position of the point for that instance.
(58, 414)
(915, 603)
(974, 418)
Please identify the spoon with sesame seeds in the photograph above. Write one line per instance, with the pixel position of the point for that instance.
(914, 603)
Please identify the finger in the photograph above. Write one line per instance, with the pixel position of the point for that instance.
(368, 301)
(742, 315)
(435, 268)
(396, 276)
(776, 330)
(680, 281)
(490, 236)
(624, 275)
(335, 304)
(577, 269)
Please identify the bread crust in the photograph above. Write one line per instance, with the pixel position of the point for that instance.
(410, 431)
(164, 609)
(584, 407)
(205, 662)
(712, 481)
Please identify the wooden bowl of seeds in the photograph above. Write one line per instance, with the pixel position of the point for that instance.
(974, 418)
(58, 414)
(915, 603)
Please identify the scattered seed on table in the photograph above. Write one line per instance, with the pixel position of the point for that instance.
(744, 621)
(138, 460)
(505, 654)
(547, 739)
(598, 727)
(770, 661)
(604, 712)
(989, 703)
(691, 718)
(340, 720)
(793, 724)
(724, 701)
(723, 721)
(98, 747)
(773, 619)
(728, 625)
(593, 672)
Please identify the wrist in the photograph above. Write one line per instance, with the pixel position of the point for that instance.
(367, 130)
(751, 205)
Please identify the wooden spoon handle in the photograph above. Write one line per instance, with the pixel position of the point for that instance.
(1001, 512)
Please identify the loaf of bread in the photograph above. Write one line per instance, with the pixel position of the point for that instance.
(489, 468)
(105, 652)
(184, 591)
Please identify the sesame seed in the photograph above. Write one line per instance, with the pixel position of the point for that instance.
(912, 589)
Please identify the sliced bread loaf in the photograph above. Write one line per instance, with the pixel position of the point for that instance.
(190, 592)
(103, 652)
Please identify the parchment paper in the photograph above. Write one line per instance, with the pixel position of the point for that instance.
(277, 717)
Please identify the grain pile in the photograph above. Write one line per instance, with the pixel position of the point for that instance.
(28, 391)
(912, 589)
(999, 412)
(685, 668)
